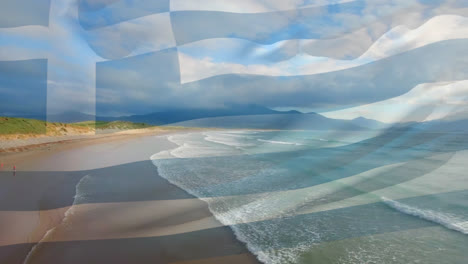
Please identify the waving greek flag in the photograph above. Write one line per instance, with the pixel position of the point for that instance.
(343, 58)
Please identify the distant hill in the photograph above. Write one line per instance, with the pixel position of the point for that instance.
(231, 116)
(252, 116)
(319, 122)
(70, 117)
(163, 117)
(180, 115)
(274, 121)
(65, 117)
(369, 123)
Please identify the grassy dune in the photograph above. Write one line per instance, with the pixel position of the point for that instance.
(23, 127)
(9, 125)
(111, 125)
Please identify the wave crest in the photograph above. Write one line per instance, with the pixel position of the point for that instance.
(449, 221)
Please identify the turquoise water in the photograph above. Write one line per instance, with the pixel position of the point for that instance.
(331, 197)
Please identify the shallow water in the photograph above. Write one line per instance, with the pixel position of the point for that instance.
(331, 197)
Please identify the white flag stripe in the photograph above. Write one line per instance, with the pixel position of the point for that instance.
(397, 40)
(130, 38)
(248, 6)
(192, 69)
(25, 34)
(65, 41)
(444, 100)
(133, 37)
(401, 38)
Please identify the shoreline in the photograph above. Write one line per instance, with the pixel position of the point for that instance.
(8, 145)
(30, 149)
(142, 212)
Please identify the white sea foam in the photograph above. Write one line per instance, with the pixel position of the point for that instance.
(232, 140)
(166, 154)
(257, 219)
(280, 142)
(191, 146)
(176, 139)
(447, 220)
(244, 218)
(239, 218)
(243, 132)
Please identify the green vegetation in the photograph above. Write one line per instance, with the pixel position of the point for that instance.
(9, 125)
(112, 125)
(12, 126)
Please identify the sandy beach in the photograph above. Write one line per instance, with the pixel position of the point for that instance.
(100, 200)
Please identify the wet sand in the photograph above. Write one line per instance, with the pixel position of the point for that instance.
(102, 201)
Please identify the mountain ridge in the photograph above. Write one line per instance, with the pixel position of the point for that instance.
(253, 116)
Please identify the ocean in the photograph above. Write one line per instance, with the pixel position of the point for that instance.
(394, 196)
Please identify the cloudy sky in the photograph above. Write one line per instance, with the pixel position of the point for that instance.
(389, 60)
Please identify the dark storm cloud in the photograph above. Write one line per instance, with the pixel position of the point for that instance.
(23, 87)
